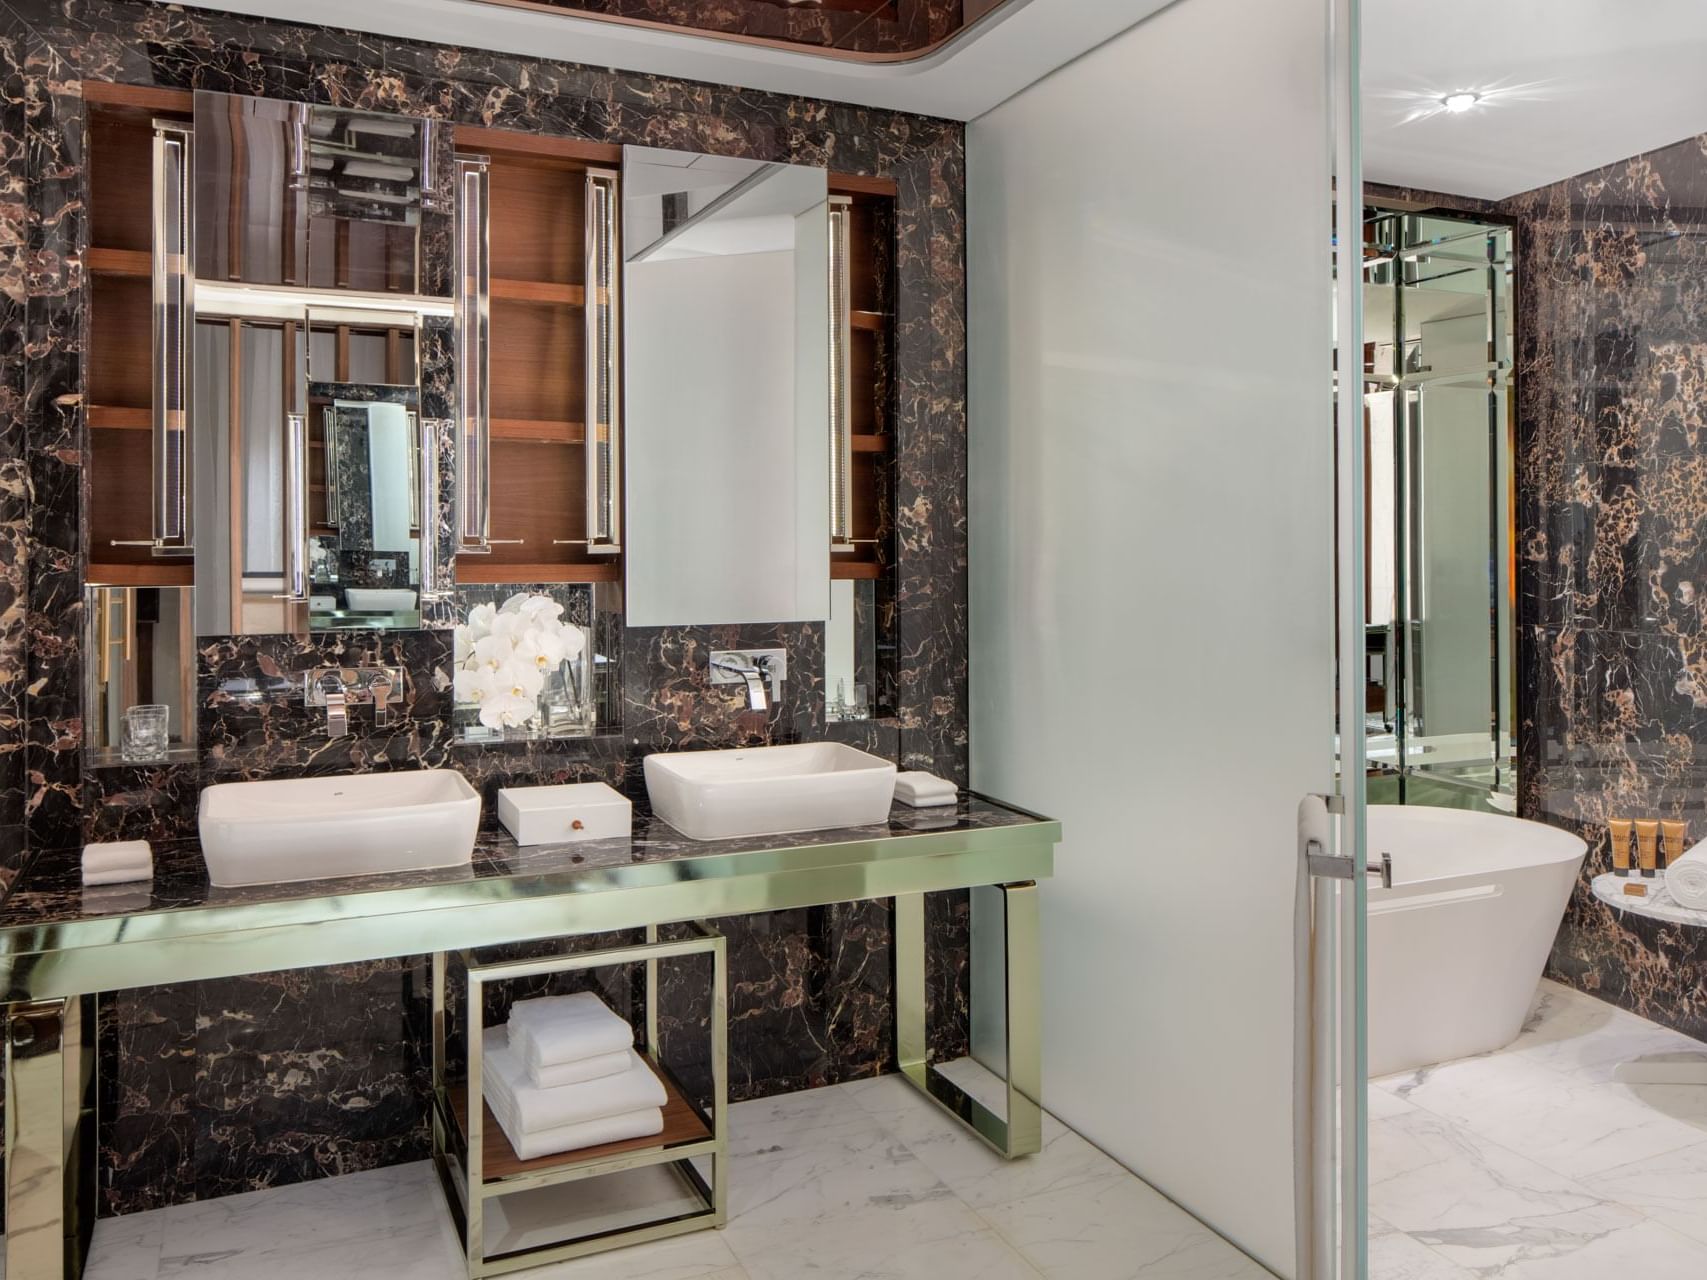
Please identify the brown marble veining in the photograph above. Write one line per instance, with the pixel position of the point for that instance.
(1612, 543)
(182, 1066)
(856, 27)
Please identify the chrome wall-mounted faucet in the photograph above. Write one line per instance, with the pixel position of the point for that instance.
(332, 694)
(339, 688)
(756, 668)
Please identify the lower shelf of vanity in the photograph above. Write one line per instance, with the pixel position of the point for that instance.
(684, 1130)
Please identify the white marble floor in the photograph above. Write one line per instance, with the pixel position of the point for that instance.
(1535, 1162)
(865, 1181)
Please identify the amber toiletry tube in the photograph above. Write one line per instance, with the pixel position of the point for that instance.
(1648, 845)
(1673, 833)
(1619, 828)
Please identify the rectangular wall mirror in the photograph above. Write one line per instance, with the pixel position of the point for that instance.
(309, 454)
(321, 197)
(726, 298)
(141, 647)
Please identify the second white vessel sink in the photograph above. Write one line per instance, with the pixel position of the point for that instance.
(766, 791)
(352, 825)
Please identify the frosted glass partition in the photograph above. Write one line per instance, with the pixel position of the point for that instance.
(726, 335)
(1152, 613)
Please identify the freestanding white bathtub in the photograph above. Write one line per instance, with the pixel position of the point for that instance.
(1457, 945)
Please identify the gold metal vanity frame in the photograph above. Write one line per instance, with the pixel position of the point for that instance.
(52, 971)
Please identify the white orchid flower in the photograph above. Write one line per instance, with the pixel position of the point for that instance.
(543, 646)
(535, 608)
(480, 620)
(475, 685)
(506, 712)
(520, 679)
(574, 641)
(493, 653)
(464, 644)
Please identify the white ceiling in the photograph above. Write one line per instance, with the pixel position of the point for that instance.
(1020, 43)
(1570, 85)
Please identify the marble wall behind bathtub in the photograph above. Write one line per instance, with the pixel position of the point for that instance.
(1612, 543)
(253, 1081)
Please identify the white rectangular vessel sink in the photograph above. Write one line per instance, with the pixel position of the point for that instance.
(354, 825)
(767, 791)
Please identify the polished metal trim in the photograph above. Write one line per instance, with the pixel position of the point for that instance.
(173, 287)
(841, 396)
(296, 508)
(1016, 1130)
(467, 1188)
(225, 940)
(603, 346)
(429, 433)
(223, 299)
(473, 307)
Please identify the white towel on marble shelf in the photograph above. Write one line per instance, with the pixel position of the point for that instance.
(568, 1028)
(923, 790)
(117, 862)
(1686, 879)
(534, 1110)
(572, 1137)
(577, 1072)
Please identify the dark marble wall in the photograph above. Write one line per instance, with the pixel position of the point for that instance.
(1612, 533)
(894, 27)
(230, 1085)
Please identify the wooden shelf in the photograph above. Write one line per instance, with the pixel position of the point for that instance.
(568, 295)
(842, 569)
(119, 262)
(869, 321)
(869, 443)
(155, 574)
(479, 569)
(538, 431)
(121, 417)
(682, 1126)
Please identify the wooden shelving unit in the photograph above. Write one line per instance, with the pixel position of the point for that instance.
(871, 262)
(120, 376)
(537, 370)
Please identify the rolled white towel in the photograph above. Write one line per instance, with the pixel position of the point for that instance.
(533, 1110)
(1686, 879)
(568, 1028)
(578, 1072)
(924, 790)
(572, 1137)
(117, 862)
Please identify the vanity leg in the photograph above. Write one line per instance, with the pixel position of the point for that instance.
(1017, 1129)
(50, 1136)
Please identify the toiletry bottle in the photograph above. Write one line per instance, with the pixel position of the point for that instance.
(1648, 846)
(1674, 837)
(1620, 831)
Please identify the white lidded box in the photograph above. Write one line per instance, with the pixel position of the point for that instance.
(573, 811)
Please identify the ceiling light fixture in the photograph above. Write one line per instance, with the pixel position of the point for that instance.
(1458, 103)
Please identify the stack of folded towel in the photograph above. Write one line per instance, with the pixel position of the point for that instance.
(924, 790)
(563, 1074)
(117, 862)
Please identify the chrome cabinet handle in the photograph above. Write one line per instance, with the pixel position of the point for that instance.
(841, 403)
(296, 509)
(603, 416)
(427, 501)
(172, 299)
(473, 353)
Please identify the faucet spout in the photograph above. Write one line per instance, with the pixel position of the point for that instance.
(337, 706)
(758, 697)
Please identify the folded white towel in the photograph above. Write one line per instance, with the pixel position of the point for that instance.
(572, 1137)
(923, 790)
(564, 1073)
(117, 862)
(1686, 879)
(568, 1028)
(534, 1110)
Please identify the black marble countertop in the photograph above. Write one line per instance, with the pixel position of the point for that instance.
(50, 893)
